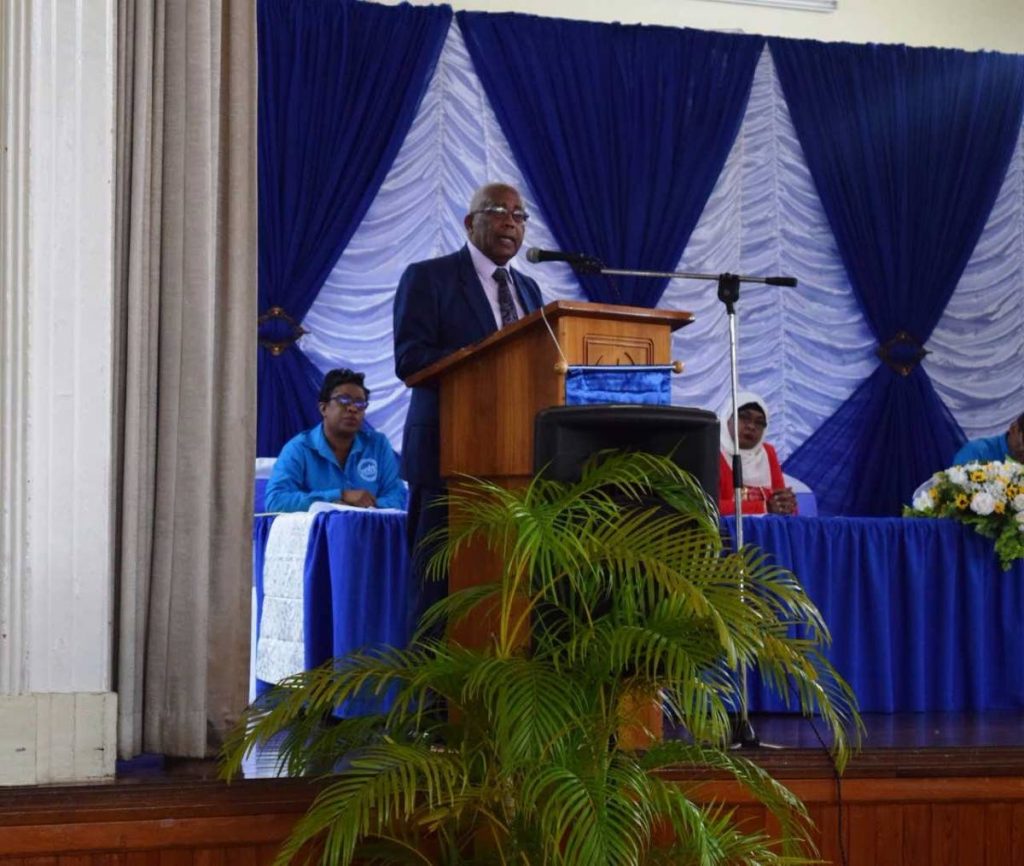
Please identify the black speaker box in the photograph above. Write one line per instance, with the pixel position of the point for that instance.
(565, 436)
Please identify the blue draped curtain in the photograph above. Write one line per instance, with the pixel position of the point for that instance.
(908, 148)
(339, 85)
(620, 131)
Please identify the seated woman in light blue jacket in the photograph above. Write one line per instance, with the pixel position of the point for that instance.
(338, 460)
(998, 448)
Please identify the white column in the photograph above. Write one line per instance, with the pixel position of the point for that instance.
(57, 709)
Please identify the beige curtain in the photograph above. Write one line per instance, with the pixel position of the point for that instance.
(184, 368)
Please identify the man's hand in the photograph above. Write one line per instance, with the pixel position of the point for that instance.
(782, 501)
(358, 498)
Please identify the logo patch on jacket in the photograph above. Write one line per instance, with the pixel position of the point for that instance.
(367, 469)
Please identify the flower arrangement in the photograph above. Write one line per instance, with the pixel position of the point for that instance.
(987, 496)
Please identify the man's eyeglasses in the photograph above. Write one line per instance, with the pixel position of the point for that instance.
(499, 211)
(346, 402)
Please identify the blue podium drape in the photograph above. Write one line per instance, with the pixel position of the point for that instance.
(588, 386)
(339, 85)
(621, 131)
(921, 614)
(908, 149)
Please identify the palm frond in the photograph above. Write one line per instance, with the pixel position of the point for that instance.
(475, 600)
(779, 800)
(589, 819)
(379, 784)
(511, 753)
(528, 705)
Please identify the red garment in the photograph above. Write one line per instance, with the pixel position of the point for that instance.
(755, 499)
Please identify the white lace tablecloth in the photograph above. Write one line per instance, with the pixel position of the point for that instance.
(280, 649)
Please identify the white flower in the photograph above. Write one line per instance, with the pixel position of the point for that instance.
(923, 501)
(958, 475)
(1019, 517)
(982, 503)
(1018, 502)
(995, 489)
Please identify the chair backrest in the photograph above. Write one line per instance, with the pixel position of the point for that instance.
(264, 466)
(806, 501)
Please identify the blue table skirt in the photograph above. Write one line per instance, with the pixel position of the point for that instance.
(922, 616)
(356, 587)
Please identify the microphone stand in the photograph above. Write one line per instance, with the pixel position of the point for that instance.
(743, 734)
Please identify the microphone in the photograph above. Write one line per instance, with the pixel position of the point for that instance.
(789, 282)
(578, 261)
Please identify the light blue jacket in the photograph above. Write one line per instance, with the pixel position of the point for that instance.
(307, 471)
(987, 450)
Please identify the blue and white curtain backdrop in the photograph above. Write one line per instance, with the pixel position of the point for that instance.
(806, 350)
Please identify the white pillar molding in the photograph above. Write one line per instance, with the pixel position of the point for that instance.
(56, 390)
(14, 180)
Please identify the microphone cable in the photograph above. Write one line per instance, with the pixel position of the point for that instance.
(839, 792)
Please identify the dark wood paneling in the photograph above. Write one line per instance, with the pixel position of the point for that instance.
(997, 831)
(1018, 833)
(166, 823)
(970, 833)
(888, 835)
(881, 821)
(917, 835)
(143, 834)
(244, 855)
(860, 845)
(826, 831)
(210, 857)
(945, 850)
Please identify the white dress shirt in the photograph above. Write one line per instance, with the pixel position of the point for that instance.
(485, 271)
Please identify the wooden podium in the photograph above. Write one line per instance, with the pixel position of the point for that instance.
(491, 391)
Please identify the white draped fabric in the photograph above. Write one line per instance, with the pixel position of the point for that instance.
(977, 360)
(281, 647)
(804, 349)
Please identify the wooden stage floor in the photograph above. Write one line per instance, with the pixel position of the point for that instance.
(924, 743)
(925, 789)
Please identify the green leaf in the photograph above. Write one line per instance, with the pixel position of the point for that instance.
(510, 753)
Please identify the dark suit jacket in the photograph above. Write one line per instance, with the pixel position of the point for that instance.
(439, 308)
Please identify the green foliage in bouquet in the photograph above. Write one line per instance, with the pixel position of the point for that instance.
(987, 496)
(611, 591)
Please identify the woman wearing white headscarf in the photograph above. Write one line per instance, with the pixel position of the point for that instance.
(764, 488)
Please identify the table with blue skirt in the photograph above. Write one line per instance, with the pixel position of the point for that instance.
(922, 616)
(356, 591)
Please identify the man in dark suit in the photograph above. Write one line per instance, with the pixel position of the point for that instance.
(442, 305)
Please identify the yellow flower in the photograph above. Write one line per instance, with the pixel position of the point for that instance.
(999, 507)
(978, 475)
(962, 500)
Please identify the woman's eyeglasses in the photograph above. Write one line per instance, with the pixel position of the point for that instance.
(346, 402)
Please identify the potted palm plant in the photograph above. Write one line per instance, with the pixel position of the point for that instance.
(513, 752)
